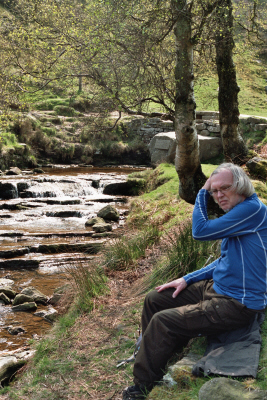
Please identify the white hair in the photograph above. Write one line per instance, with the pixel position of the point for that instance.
(241, 182)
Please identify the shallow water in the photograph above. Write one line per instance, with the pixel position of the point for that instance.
(31, 219)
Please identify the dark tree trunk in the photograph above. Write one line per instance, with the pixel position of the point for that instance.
(234, 147)
(187, 162)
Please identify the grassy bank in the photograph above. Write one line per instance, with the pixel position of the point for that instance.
(78, 358)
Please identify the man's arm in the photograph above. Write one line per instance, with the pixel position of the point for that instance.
(242, 219)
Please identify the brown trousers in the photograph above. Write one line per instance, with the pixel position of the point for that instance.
(168, 324)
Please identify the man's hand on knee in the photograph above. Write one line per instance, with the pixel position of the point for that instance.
(179, 285)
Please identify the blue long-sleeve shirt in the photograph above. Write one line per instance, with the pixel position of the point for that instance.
(241, 270)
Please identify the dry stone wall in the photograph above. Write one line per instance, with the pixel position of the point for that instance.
(207, 124)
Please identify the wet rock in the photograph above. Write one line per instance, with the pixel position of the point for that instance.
(64, 214)
(8, 190)
(104, 235)
(14, 252)
(8, 365)
(4, 298)
(96, 183)
(21, 299)
(15, 330)
(7, 290)
(20, 264)
(11, 361)
(87, 247)
(49, 315)
(103, 227)
(23, 185)
(6, 282)
(13, 171)
(25, 307)
(34, 293)
(93, 221)
(229, 389)
(109, 213)
(38, 171)
(130, 188)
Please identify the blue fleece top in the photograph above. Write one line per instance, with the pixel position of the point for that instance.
(241, 270)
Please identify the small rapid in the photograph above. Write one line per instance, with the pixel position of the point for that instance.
(43, 232)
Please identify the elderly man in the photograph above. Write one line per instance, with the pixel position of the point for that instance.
(224, 295)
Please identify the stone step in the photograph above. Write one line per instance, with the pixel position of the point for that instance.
(92, 247)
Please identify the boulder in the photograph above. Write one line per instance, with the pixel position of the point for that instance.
(103, 227)
(49, 315)
(9, 365)
(258, 166)
(8, 190)
(25, 307)
(6, 282)
(109, 213)
(13, 360)
(35, 294)
(38, 171)
(93, 221)
(209, 147)
(21, 299)
(58, 293)
(7, 291)
(15, 330)
(162, 147)
(229, 389)
(4, 298)
(132, 187)
(13, 171)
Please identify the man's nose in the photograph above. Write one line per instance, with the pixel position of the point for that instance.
(220, 194)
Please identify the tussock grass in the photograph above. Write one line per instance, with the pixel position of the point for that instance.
(182, 256)
(90, 283)
(122, 253)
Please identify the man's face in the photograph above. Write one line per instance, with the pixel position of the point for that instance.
(228, 198)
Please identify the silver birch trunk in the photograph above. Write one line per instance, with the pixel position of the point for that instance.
(187, 161)
(234, 148)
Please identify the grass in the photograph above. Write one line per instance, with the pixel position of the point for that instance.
(90, 283)
(251, 78)
(182, 256)
(78, 358)
(122, 253)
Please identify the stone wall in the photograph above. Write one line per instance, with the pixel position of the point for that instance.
(207, 124)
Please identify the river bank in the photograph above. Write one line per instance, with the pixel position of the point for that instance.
(78, 359)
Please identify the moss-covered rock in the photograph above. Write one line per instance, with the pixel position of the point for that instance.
(258, 167)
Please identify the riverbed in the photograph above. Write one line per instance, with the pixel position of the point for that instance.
(45, 210)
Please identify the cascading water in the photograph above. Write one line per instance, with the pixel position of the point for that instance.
(42, 229)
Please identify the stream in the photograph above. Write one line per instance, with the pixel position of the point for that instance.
(38, 212)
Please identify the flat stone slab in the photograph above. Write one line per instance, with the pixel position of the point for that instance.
(229, 389)
(19, 264)
(162, 147)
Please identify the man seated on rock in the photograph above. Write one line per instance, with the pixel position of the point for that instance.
(224, 295)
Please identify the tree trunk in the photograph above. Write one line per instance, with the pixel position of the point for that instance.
(234, 147)
(187, 162)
